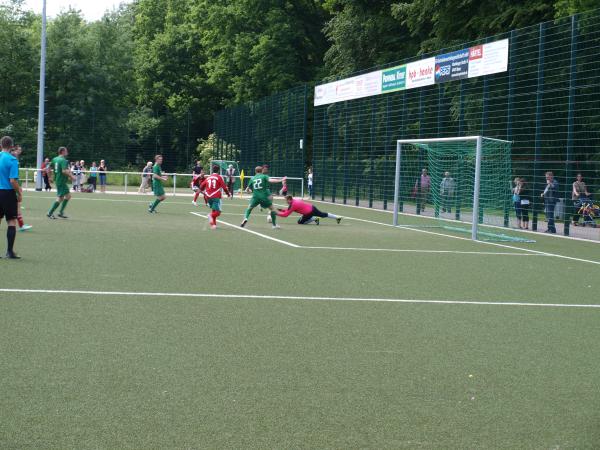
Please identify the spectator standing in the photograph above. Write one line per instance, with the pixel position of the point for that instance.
(102, 175)
(82, 170)
(525, 203)
(310, 183)
(146, 178)
(550, 196)
(447, 191)
(76, 171)
(230, 174)
(422, 188)
(579, 190)
(46, 168)
(93, 179)
(10, 193)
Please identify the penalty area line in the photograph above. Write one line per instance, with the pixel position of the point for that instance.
(237, 227)
(403, 250)
(295, 297)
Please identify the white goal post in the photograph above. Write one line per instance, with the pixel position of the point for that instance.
(478, 140)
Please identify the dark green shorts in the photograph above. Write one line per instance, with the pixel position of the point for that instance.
(214, 204)
(158, 190)
(62, 190)
(264, 202)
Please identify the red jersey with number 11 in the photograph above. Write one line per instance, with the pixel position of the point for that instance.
(212, 186)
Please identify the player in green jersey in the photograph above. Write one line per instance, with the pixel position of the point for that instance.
(157, 183)
(261, 195)
(62, 174)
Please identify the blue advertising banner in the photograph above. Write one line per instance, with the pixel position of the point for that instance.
(452, 66)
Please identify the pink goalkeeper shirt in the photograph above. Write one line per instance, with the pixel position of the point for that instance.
(297, 206)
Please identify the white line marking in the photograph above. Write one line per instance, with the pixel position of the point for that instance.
(403, 250)
(295, 297)
(537, 252)
(237, 227)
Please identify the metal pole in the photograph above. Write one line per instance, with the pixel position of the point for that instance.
(476, 190)
(397, 182)
(41, 104)
(570, 121)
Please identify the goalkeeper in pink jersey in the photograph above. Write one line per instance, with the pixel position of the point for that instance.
(310, 213)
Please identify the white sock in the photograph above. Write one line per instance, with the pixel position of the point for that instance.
(312, 219)
(332, 216)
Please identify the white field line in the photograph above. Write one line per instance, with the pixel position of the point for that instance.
(294, 297)
(249, 231)
(403, 250)
(537, 252)
(464, 222)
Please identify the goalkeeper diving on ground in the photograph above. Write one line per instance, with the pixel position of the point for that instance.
(310, 213)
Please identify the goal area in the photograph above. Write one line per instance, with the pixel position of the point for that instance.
(460, 183)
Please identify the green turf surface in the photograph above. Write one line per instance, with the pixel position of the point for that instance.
(89, 371)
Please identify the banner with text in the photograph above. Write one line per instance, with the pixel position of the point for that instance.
(471, 62)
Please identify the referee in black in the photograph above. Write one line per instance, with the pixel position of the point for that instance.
(10, 193)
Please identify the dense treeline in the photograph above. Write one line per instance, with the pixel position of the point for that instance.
(149, 76)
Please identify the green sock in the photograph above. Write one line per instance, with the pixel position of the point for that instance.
(63, 206)
(154, 205)
(54, 206)
(247, 213)
(274, 218)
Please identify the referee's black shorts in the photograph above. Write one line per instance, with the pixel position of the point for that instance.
(8, 204)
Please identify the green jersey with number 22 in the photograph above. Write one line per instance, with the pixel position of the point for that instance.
(260, 186)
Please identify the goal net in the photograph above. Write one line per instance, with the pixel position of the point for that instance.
(461, 182)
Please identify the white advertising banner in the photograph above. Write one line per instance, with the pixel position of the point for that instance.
(349, 89)
(489, 58)
(420, 73)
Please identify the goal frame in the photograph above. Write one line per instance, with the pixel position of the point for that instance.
(477, 182)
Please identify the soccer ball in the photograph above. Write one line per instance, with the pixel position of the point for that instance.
(269, 220)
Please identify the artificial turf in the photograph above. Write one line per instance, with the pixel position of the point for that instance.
(81, 370)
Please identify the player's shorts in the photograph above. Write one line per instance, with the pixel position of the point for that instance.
(264, 202)
(214, 204)
(62, 190)
(8, 204)
(158, 190)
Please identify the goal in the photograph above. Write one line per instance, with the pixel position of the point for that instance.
(457, 181)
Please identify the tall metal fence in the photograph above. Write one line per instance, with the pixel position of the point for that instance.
(272, 131)
(547, 104)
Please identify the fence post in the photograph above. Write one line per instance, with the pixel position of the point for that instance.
(126, 180)
(538, 127)
(570, 121)
(509, 114)
(174, 184)
(461, 123)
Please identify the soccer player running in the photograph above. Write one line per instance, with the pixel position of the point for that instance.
(10, 193)
(198, 177)
(16, 152)
(157, 183)
(310, 213)
(212, 187)
(60, 166)
(261, 195)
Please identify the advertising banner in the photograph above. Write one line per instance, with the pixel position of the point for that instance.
(452, 66)
(420, 73)
(393, 79)
(489, 58)
(349, 89)
(473, 62)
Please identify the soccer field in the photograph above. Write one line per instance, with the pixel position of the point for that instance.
(121, 329)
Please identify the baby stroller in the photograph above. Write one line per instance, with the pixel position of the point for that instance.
(588, 211)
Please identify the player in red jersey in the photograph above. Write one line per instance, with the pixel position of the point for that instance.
(212, 187)
(198, 177)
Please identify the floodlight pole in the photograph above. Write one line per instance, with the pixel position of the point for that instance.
(476, 189)
(397, 182)
(41, 106)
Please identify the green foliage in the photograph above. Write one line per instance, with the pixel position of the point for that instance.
(206, 150)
